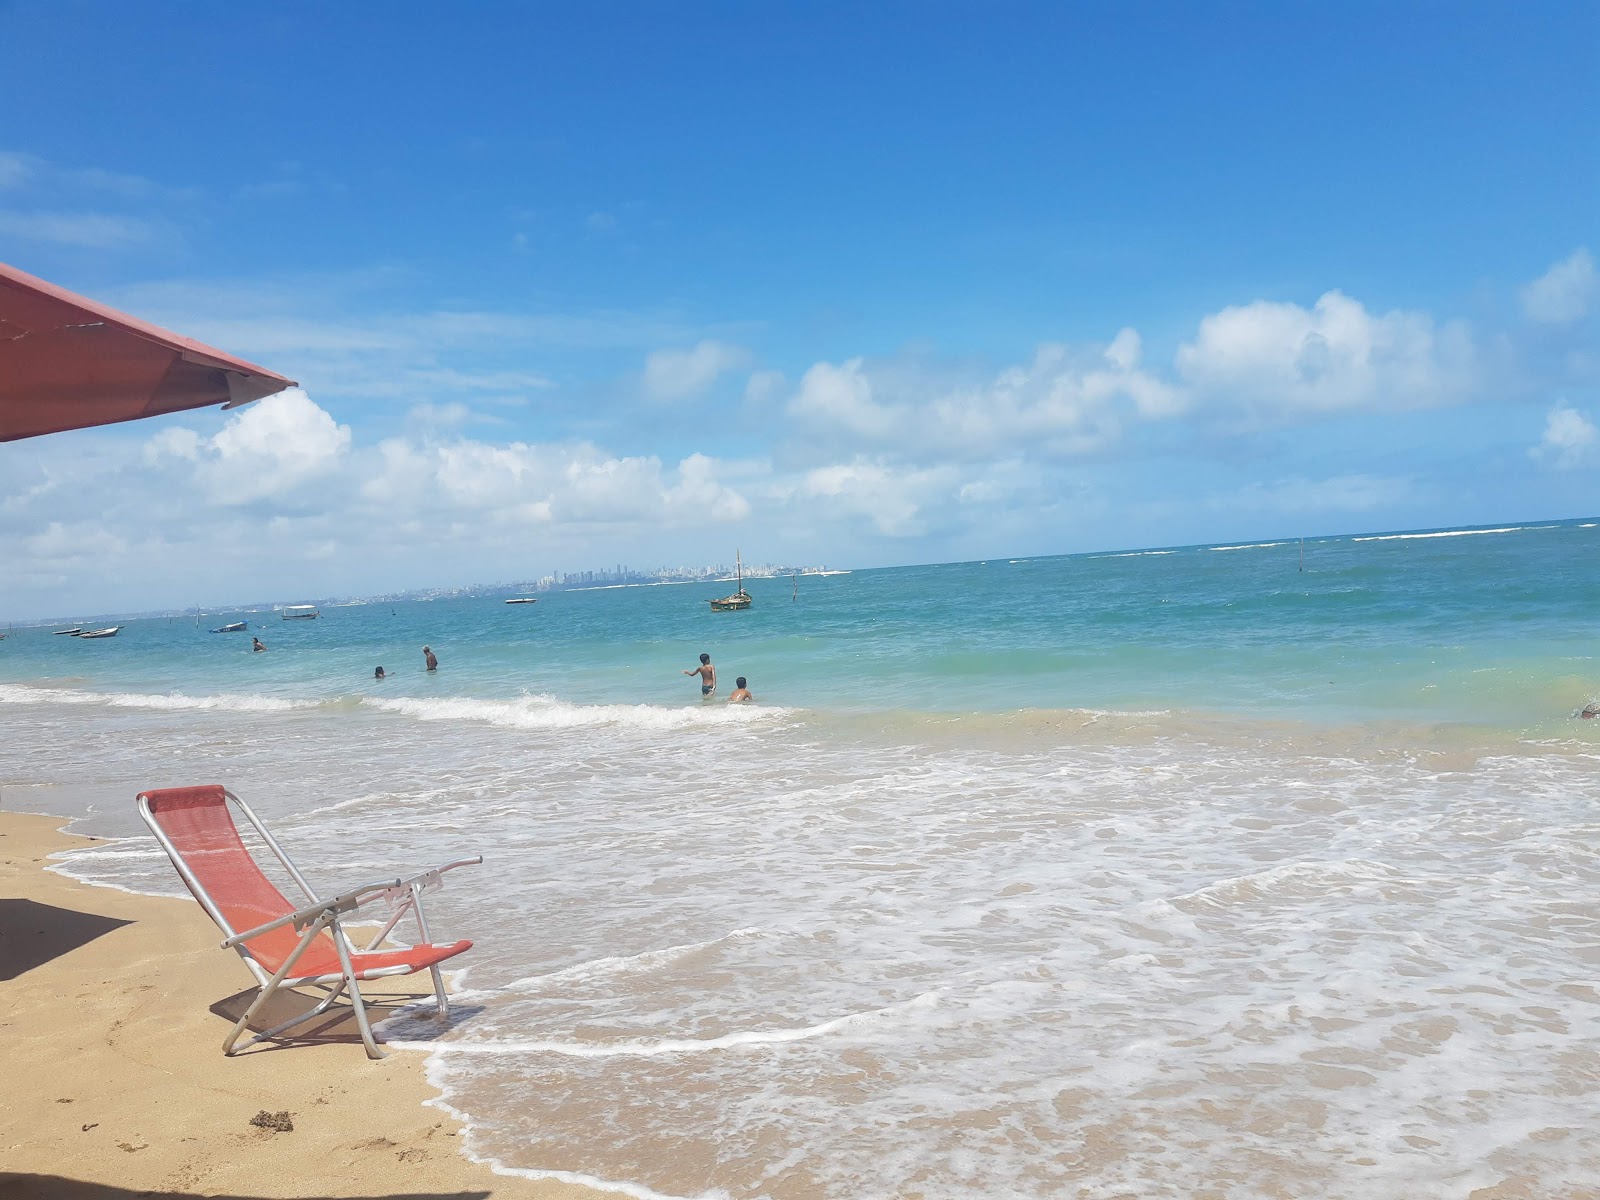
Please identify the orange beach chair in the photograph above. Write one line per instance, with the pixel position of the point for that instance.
(286, 945)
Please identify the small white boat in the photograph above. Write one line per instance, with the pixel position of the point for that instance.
(299, 612)
(234, 628)
(108, 631)
(524, 600)
(73, 632)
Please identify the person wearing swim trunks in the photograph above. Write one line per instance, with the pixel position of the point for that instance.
(708, 676)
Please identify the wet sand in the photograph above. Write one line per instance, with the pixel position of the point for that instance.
(112, 1018)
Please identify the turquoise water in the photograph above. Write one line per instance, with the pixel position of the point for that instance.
(1167, 874)
(1488, 627)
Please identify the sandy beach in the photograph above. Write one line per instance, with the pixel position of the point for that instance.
(111, 1010)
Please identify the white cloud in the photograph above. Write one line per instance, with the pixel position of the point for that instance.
(765, 388)
(95, 231)
(839, 399)
(1564, 293)
(699, 490)
(1064, 403)
(555, 484)
(268, 449)
(680, 374)
(893, 499)
(1569, 440)
(80, 543)
(1281, 361)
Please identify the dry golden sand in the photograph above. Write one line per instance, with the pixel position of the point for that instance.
(115, 1085)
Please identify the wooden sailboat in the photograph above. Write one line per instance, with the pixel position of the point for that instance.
(740, 598)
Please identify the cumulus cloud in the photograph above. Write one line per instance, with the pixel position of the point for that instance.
(270, 448)
(1565, 292)
(1276, 361)
(681, 374)
(891, 498)
(548, 484)
(1569, 440)
(1064, 403)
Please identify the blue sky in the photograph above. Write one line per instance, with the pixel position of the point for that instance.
(856, 285)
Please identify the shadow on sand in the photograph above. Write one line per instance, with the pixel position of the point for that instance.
(55, 1187)
(337, 1025)
(31, 934)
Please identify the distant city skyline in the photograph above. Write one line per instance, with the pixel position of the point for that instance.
(870, 286)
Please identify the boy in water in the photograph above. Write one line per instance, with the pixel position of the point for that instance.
(255, 644)
(740, 692)
(428, 660)
(708, 676)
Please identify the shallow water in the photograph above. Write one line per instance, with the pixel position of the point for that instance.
(1021, 890)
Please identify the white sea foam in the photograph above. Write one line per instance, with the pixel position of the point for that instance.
(546, 712)
(653, 1048)
(1134, 554)
(1404, 537)
(613, 965)
(1249, 546)
(173, 701)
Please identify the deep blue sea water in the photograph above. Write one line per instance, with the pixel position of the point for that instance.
(1166, 873)
(1494, 627)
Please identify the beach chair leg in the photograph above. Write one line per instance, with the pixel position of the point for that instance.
(269, 988)
(356, 1002)
(442, 1012)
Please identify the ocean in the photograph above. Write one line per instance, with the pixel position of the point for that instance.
(1169, 873)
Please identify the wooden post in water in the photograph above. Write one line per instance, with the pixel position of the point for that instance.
(1302, 554)
(795, 579)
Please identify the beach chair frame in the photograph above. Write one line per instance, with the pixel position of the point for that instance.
(310, 920)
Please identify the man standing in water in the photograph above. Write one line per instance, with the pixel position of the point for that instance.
(708, 676)
(429, 661)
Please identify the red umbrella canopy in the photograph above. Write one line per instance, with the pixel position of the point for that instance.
(67, 362)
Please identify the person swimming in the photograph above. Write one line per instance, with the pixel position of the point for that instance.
(257, 644)
(378, 674)
(740, 693)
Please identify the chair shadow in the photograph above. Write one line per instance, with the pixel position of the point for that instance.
(336, 1026)
(31, 934)
(17, 1186)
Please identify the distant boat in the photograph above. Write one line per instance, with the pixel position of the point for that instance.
(234, 628)
(299, 612)
(524, 600)
(108, 631)
(740, 598)
(73, 632)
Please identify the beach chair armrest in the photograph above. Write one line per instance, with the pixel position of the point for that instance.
(301, 917)
(409, 891)
(430, 879)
